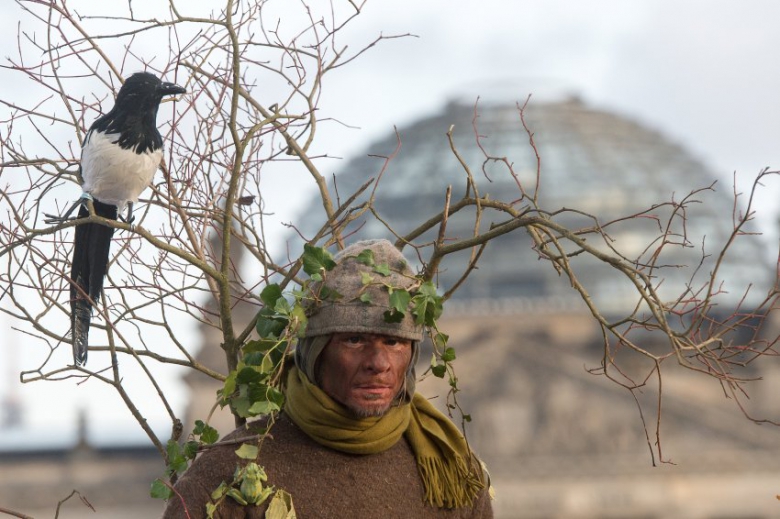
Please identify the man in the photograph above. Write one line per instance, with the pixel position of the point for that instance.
(354, 440)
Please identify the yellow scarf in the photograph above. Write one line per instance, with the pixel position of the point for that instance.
(451, 474)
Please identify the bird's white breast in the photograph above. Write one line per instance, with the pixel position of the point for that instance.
(115, 175)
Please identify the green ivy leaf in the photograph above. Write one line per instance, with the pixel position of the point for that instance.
(365, 297)
(427, 305)
(282, 306)
(316, 260)
(256, 398)
(160, 490)
(261, 346)
(241, 405)
(229, 388)
(299, 314)
(366, 257)
(270, 294)
(281, 506)
(275, 396)
(199, 426)
(172, 449)
(439, 370)
(250, 375)
(220, 491)
(254, 358)
(269, 324)
(180, 465)
(440, 340)
(448, 355)
(263, 407)
(383, 269)
(263, 393)
(191, 450)
(177, 462)
(428, 289)
(393, 316)
(399, 300)
(210, 435)
(366, 278)
(264, 357)
(247, 451)
(275, 358)
(328, 294)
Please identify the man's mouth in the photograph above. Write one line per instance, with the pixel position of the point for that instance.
(374, 389)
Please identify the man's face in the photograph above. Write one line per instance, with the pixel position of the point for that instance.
(364, 372)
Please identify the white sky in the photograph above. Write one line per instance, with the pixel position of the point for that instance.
(703, 72)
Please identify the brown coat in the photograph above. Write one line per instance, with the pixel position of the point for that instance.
(323, 483)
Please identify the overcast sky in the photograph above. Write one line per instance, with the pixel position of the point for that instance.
(704, 72)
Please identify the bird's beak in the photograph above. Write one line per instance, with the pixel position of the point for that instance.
(169, 89)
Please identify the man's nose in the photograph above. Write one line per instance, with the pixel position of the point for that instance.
(377, 357)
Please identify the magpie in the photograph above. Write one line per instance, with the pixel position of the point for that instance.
(119, 156)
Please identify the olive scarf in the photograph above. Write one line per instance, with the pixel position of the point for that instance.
(451, 475)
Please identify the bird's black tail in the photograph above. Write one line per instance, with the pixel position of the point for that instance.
(90, 262)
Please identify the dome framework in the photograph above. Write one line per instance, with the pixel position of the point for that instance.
(594, 168)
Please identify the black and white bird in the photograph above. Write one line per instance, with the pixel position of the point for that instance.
(120, 154)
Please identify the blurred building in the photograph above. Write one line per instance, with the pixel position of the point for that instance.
(114, 481)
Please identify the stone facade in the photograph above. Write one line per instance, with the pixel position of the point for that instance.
(561, 442)
(115, 481)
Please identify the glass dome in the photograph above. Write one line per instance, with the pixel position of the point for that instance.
(592, 161)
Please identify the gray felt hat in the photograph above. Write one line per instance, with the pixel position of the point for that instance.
(363, 296)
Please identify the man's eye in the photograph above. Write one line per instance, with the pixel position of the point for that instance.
(355, 339)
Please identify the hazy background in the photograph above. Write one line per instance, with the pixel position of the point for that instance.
(705, 73)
